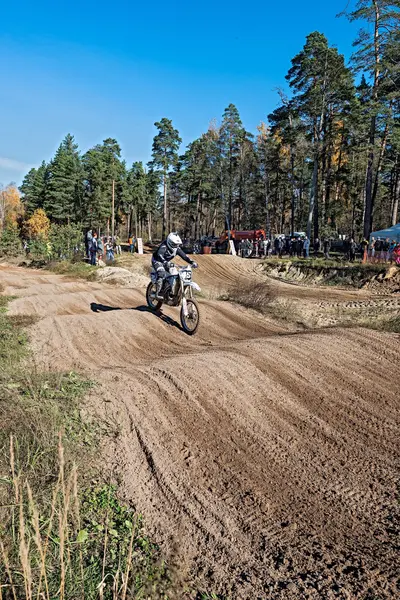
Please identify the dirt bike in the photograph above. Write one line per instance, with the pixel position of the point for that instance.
(177, 290)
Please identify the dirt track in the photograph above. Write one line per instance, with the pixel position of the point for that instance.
(267, 458)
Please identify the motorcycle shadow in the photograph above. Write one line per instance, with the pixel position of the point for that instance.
(143, 308)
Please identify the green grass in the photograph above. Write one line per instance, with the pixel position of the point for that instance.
(63, 532)
(385, 323)
(81, 270)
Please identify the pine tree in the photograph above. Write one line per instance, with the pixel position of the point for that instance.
(33, 189)
(63, 190)
(323, 85)
(164, 156)
(372, 48)
(231, 134)
(137, 194)
(104, 175)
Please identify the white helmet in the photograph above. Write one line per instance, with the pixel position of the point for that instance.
(173, 241)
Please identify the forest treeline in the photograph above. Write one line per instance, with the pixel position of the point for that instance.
(326, 161)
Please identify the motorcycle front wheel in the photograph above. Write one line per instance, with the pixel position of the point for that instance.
(151, 296)
(191, 321)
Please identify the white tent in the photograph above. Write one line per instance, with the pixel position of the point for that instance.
(392, 233)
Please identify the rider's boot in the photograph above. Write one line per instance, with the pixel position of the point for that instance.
(159, 295)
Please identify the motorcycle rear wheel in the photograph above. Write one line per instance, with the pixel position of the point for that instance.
(190, 323)
(152, 301)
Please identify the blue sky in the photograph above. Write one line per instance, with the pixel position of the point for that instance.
(102, 69)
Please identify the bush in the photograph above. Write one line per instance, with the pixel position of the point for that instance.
(10, 243)
(66, 241)
(257, 296)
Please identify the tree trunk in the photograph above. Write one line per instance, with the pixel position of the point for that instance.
(197, 225)
(165, 208)
(313, 193)
(369, 197)
(380, 161)
(396, 201)
(113, 210)
(149, 225)
(293, 203)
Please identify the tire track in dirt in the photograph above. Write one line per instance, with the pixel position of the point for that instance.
(267, 458)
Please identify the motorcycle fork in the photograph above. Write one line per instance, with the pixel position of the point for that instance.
(184, 302)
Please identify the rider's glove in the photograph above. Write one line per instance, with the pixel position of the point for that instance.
(194, 264)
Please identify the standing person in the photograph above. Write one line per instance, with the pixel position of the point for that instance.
(352, 250)
(88, 242)
(372, 249)
(364, 249)
(250, 247)
(265, 247)
(396, 254)
(93, 250)
(110, 249)
(276, 246)
(306, 247)
(327, 247)
(100, 248)
(317, 246)
(287, 245)
(299, 247)
(385, 250)
(391, 248)
(377, 249)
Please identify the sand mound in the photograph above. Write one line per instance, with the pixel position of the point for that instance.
(121, 277)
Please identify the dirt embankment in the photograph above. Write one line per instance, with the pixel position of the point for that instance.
(380, 279)
(266, 458)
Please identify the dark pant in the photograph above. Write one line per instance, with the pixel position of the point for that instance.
(93, 258)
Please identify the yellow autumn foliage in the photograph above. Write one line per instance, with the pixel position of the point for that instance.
(38, 226)
(11, 207)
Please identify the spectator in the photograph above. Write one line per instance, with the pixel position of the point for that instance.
(265, 247)
(278, 246)
(306, 247)
(110, 249)
(385, 250)
(250, 248)
(100, 248)
(327, 247)
(372, 249)
(317, 246)
(88, 242)
(378, 249)
(93, 250)
(364, 248)
(299, 247)
(352, 250)
(391, 249)
(132, 244)
(396, 254)
(287, 245)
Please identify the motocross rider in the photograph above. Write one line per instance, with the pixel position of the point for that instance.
(165, 253)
